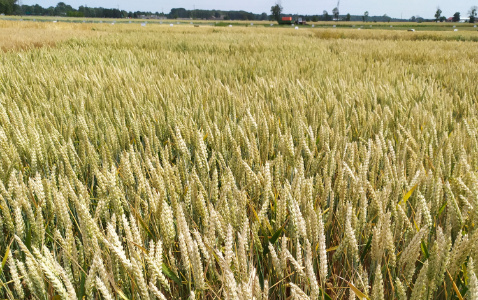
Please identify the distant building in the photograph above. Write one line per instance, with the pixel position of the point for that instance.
(152, 17)
(221, 17)
(462, 20)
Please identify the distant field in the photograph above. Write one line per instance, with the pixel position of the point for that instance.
(18, 35)
(430, 26)
(243, 162)
(20, 32)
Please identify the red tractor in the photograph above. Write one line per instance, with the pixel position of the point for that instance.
(289, 21)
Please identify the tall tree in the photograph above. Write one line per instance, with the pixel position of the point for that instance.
(473, 11)
(7, 6)
(456, 17)
(365, 16)
(276, 10)
(335, 12)
(438, 14)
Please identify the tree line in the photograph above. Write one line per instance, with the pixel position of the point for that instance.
(63, 9)
(9, 7)
(276, 13)
(471, 16)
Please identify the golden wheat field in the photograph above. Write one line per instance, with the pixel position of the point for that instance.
(143, 162)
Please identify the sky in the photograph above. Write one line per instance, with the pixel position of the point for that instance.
(393, 8)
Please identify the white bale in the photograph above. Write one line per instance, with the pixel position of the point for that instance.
(171, 25)
(296, 27)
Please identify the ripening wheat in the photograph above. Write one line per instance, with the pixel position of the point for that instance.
(239, 163)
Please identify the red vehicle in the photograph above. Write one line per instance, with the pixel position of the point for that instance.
(286, 20)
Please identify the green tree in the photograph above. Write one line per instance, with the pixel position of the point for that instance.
(473, 12)
(438, 14)
(178, 13)
(38, 10)
(347, 18)
(62, 9)
(335, 12)
(276, 10)
(7, 6)
(456, 17)
(365, 16)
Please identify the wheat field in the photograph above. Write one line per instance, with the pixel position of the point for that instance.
(239, 163)
(25, 35)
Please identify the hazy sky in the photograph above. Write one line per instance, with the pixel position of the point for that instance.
(393, 8)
